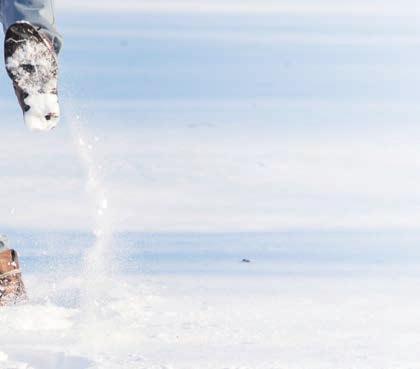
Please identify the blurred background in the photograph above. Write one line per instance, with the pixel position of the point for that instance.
(226, 116)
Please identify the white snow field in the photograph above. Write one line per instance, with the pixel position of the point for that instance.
(306, 300)
(196, 134)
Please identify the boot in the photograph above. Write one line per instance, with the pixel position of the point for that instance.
(12, 289)
(32, 64)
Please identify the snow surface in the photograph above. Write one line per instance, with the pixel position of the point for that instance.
(211, 118)
(185, 301)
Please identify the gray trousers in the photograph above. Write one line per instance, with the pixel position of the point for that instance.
(39, 13)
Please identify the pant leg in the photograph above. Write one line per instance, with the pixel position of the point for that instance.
(39, 13)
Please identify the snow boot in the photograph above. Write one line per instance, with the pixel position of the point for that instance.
(12, 289)
(31, 63)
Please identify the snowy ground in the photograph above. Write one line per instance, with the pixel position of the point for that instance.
(224, 118)
(314, 300)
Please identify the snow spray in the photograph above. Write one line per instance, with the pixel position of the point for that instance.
(97, 273)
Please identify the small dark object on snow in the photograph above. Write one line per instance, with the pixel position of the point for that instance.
(246, 260)
(12, 289)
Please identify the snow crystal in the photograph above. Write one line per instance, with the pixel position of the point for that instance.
(3, 356)
(35, 54)
(42, 105)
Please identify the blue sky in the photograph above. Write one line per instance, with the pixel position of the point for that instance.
(226, 116)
